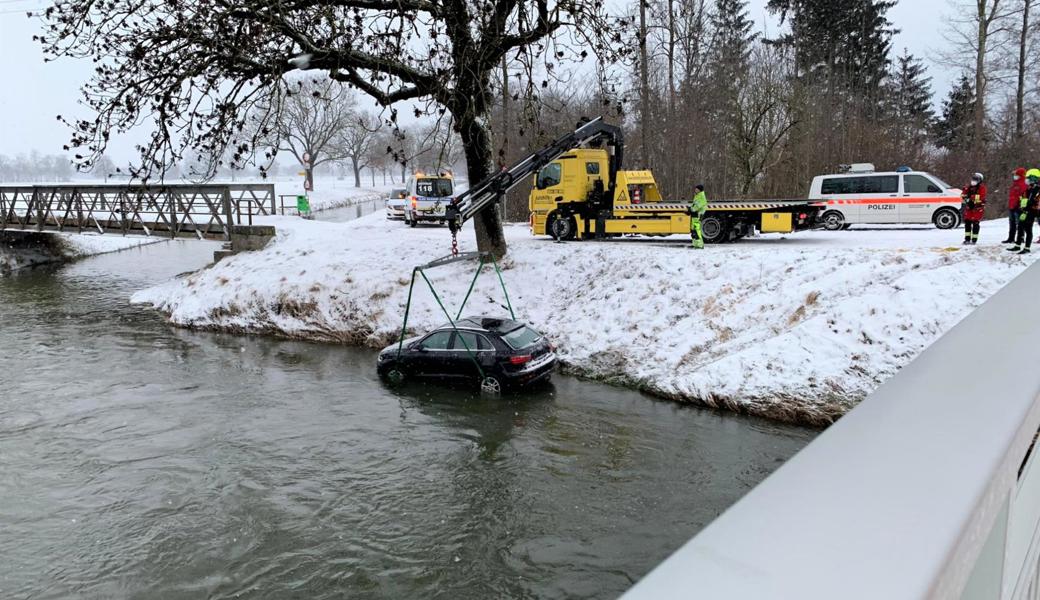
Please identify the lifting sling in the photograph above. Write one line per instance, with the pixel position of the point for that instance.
(484, 258)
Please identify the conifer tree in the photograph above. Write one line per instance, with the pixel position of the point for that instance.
(955, 128)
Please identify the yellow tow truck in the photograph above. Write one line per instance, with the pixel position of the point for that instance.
(579, 196)
(580, 192)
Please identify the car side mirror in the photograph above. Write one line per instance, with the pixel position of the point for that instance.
(421, 348)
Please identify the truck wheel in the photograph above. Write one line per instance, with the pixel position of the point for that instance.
(946, 218)
(563, 228)
(833, 220)
(714, 230)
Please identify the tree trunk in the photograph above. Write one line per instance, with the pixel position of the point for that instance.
(1020, 93)
(357, 172)
(372, 172)
(980, 81)
(476, 140)
(644, 86)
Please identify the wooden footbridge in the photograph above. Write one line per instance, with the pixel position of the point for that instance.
(209, 211)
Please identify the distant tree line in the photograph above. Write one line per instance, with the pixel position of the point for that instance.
(35, 167)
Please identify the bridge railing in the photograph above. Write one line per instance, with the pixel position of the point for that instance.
(207, 211)
(930, 488)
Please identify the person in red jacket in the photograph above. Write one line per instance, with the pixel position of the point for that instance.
(1015, 195)
(974, 197)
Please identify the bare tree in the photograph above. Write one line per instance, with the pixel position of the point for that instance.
(358, 138)
(978, 28)
(762, 120)
(313, 119)
(197, 69)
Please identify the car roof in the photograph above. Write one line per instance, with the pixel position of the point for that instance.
(484, 323)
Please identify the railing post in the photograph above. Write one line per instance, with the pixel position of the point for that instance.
(229, 216)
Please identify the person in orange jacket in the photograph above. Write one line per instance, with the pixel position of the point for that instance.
(974, 197)
(1016, 192)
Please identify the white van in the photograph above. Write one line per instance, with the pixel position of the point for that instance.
(862, 195)
(427, 198)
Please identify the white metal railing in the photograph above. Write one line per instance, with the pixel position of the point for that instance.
(927, 489)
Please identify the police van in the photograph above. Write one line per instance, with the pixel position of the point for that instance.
(861, 195)
(427, 197)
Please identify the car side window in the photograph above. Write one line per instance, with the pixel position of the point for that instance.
(549, 176)
(437, 341)
(919, 184)
(592, 168)
(472, 340)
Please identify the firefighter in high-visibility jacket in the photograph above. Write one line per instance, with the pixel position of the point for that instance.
(698, 206)
(1029, 207)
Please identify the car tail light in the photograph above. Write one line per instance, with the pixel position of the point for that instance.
(415, 201)
(519, 360)
(802, 216)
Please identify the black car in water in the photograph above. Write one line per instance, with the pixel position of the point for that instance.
(510, 354)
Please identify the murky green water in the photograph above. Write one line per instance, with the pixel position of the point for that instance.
(142, 461)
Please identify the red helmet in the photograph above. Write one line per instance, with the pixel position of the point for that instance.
(1021, 172)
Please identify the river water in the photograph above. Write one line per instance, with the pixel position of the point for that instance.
(142, 461)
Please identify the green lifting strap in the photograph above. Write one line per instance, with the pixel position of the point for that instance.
(421, 270)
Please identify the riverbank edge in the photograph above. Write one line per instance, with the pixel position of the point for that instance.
(785, 409)
(27, 249)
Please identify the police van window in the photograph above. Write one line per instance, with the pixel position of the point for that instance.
(881, 184)
(549, 176)
(919, 184)
(592, 168)
(437, 341)
(876, 184)
(433, 188)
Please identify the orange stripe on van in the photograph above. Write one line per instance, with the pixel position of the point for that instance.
(900, 200)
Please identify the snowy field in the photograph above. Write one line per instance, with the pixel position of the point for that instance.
(797, 328)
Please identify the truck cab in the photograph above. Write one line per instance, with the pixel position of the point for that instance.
(863, 195)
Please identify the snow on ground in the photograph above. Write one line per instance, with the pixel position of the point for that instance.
(88, 244)
(798, 327)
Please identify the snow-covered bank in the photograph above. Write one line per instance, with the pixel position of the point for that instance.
(29, 248)
(797, 329)
(333, 193)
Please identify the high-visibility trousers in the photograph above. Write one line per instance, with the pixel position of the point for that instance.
(695, 232)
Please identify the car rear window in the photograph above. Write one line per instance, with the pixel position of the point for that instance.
(521, 337)
(433, 188)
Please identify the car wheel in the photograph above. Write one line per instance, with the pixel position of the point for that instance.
(846, 227)
(563, 228)
(833, 220)
(946, 218)
(395, 375)
(714, 230)
(491, 385)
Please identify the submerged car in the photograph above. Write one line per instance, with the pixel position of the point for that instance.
(510, 355)
(395, 203)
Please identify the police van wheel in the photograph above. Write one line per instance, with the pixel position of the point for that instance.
(562, 228)
(714, 230)
(946, 218)
(413, 222)
(833, 220)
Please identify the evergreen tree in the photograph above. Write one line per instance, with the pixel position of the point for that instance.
(732, 37)
(909, 96)
(955, 129)
(846, 41)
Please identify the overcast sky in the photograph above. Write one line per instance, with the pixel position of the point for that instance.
(36, 92)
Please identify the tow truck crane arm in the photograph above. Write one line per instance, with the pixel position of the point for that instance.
(477, 198)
